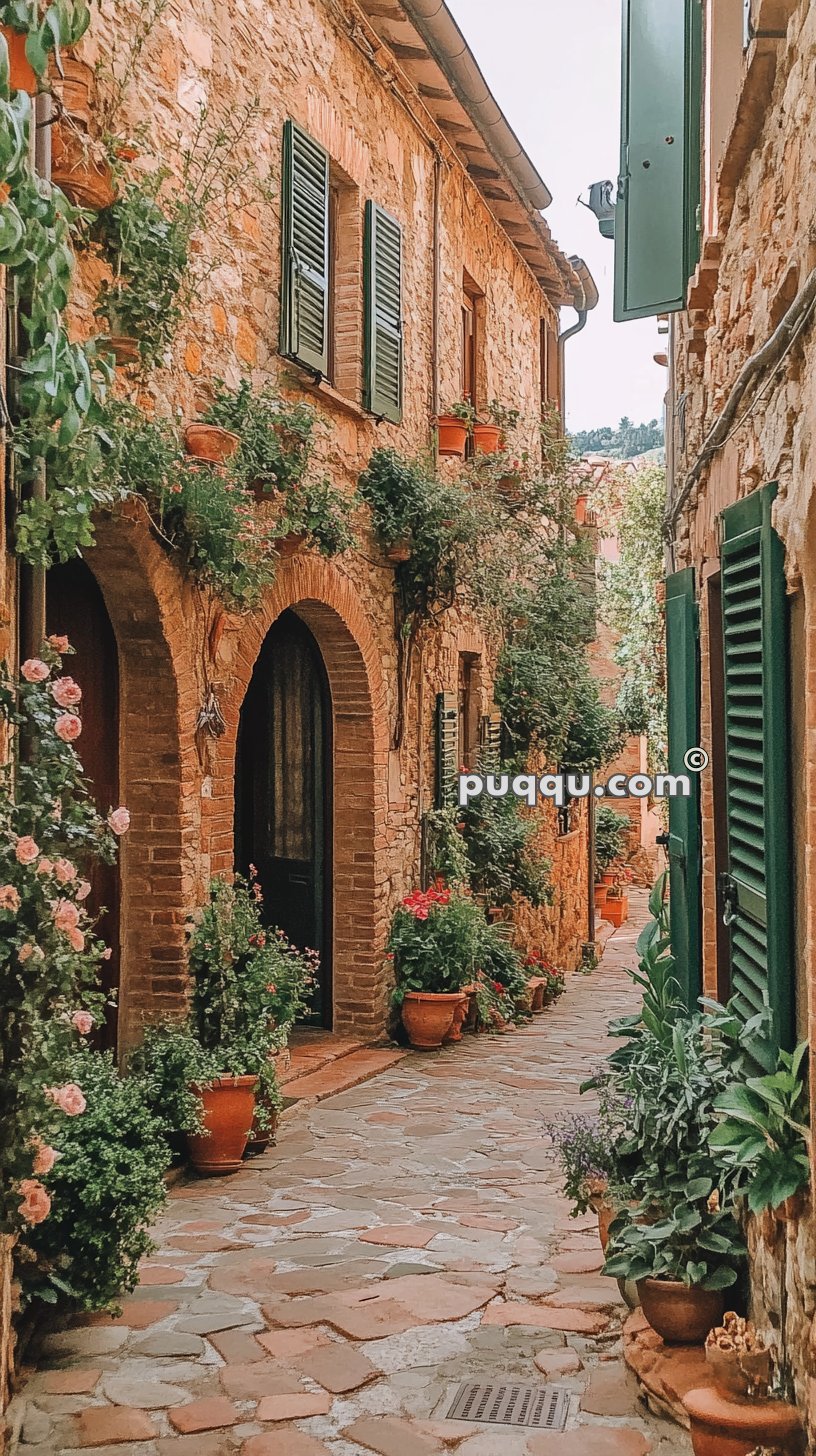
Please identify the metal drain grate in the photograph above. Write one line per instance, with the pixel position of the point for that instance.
(511, 1404)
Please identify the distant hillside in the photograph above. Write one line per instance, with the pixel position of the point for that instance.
(624, 443)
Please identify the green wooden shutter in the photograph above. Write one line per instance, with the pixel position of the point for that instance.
(659, 184)
(490, 741)
(305, 266)
(447, 734)
(683, 685)
(383, 314)
(755, 648)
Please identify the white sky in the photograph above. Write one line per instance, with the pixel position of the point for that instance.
(554, 68)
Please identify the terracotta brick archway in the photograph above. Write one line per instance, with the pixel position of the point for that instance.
(324, 598)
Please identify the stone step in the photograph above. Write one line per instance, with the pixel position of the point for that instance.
(342, 1073)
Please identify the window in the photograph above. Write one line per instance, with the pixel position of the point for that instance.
(550, 366)
(469, 708)
(468, 384)
(473, 381)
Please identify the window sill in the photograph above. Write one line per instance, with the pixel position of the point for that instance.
(326, 392)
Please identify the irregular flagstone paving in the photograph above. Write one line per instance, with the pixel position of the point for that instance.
(401, 1237)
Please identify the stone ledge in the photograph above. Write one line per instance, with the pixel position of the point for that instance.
(665, 1373)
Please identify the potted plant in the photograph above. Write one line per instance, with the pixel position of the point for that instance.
(170, 1062)
(491, 437)
(80, 166)
(454, 427)
(616, 905)
(731, 1425)
(611, 830)
(765, 1138)
(210, 443)
(435, 942)
(739, 1358)
(276, 437)
(232, 1018)
(22, 76)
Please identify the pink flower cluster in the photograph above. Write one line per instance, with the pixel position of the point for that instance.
(69, 1098)
(420, 903)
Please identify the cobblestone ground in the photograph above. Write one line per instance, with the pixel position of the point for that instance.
(399, 1239)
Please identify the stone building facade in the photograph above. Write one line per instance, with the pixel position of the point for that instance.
(397, 102)
(741, 428)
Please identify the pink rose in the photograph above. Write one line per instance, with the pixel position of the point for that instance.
(119, 821)
(25, 952)
(65, 871)
(107, 953)
(82, 1021)
(70, 1099)
(68, 727)
(9, 898)
(66, 693)
(46, 866)
(36, 1204)
(59, 644)
(77, 939)
(83, 890)
(65, 915)
(26, 851)
(44, 1157)
(35, 670)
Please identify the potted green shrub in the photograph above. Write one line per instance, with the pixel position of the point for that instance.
(232, 1016)
(435, 942)
(764, 1136)
(454, 428)
(611, 830)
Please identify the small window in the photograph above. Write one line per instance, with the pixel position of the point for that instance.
(469, 709)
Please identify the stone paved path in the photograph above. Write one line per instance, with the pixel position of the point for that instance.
(402, 1237)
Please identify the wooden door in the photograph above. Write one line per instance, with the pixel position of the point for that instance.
(283, 793)
(75, 607)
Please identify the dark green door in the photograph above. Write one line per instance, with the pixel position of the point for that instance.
(757, 891)
(683, 685)
(283, 792)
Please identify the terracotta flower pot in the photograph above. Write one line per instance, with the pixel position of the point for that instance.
(22, 76)
(600, 896)
(428, 1017)
(609, 877)
(74, 89)
(738, 1373)
(81, 168)
(538, 988)
(616, 910)
(228, 1110)
(486, 439)
(681, 1314)
(723, 1425)
(210, 442)
(459, 1019)
(453, 435)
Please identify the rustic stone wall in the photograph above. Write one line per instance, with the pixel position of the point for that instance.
(299, 60)
(749, 276)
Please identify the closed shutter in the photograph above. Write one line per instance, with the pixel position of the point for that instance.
(383, 314)
(683, 707)
(757, 894)
(656, 218)
(490, 742)
(305, 266)
(447, 734)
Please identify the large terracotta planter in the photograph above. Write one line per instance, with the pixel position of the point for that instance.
(616, 911)
(74, 89)
(486, 439)
(681, 1314)
(228, 1111)
(459, 1019)
(453, 435)
(22, 76)
(727, 1426)
(80, 168)
(210, 442)
(428, 1017)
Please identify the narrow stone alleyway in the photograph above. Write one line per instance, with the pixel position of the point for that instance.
(401, 1237)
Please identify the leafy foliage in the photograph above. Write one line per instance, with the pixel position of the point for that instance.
(436, 941)
(277, 438)
(50, 835)
(47, 27)
(106, 1189)
(764, 1134)
(169, 1063)
(611, 831)
(498, 841)
(624, 443)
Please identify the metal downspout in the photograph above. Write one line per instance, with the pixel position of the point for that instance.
(32, 578)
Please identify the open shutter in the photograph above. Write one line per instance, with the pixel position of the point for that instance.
(305, 267)
(757, 889)
(683, 683)
(447, 734)
(383, 314)
(490, 741)
(659, 183)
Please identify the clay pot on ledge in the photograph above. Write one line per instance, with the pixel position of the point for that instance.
(22, 76)
(80, 167)
(486, 439)
(74, 89)
(459, 1019)
(210, 443)
(428, 1017)
(726, 1425)
(227, 1112)
(453, 435)
(681, 1314)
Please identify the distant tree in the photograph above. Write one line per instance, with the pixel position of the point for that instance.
(624, 443)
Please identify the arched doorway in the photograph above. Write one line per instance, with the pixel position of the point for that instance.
(75, 607)
(283, 793)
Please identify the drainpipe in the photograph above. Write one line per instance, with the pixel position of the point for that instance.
(584, 300)
(436, 283)
(32, 578)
